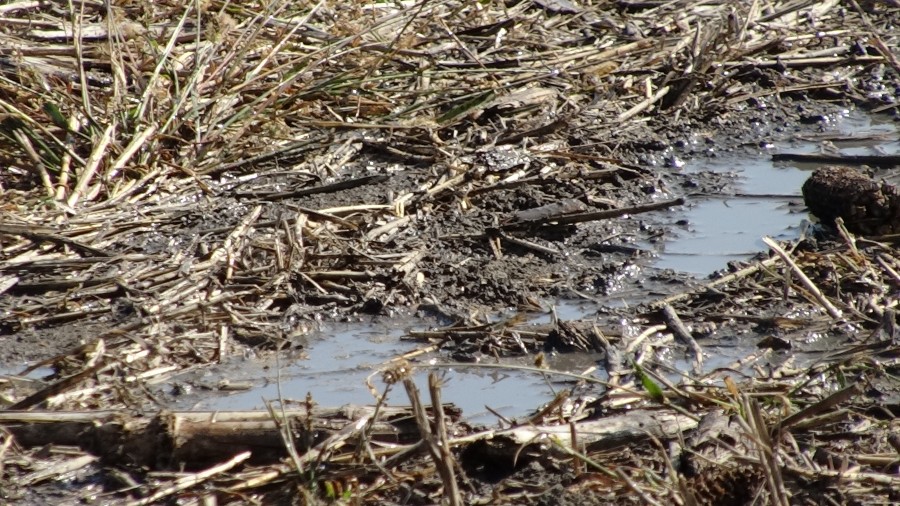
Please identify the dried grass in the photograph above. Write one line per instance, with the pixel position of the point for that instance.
(129, 132)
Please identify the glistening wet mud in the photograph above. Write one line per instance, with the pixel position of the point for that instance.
(344, 359)
(340, 360)
(190, 226)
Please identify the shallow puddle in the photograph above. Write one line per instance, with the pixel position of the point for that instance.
(339, 360)
(767, 201)
(724, 229)
(342, 358)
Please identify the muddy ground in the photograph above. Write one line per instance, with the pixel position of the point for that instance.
(459, 277)
(532, 171)
(463, 280)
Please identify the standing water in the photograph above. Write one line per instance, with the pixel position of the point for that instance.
(343, 360)
(768, 201)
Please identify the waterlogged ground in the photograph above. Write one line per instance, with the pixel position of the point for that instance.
(734, 199)
(734, 195)
(214, 207)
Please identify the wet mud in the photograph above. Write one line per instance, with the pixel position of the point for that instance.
(530, 232)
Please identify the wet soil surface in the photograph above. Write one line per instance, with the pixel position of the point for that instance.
(489, 216)
(481, 253)
(475, 262)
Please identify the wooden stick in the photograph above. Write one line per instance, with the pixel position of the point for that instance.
(191, 480)
(680, 330)
(833, 311)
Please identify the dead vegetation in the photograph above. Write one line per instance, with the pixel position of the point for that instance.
(183, 181)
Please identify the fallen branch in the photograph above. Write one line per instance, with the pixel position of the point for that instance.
(871, 160)
(567, 219)
(200, 437)
(833, 311)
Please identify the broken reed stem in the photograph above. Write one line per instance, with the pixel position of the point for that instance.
(90, 167)
(58, 470)
(577, 463)
(635, 488)
(641, 106)
(757, 431)
(832, 311)
(135, 144)
(724, 280)
(282, 422)
(846, 236)
(822, 406)
(681, 331)
(448, 463)
(65, 168)
(438, 448)
(649, 331)
(25, 143)
(191, 480)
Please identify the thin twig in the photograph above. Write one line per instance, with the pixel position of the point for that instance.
(832, 311)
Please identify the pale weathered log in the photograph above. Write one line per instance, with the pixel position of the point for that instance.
(605, 433)
(194, 439)
(197, 438)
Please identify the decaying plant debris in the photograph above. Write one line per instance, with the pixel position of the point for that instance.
(186, 182)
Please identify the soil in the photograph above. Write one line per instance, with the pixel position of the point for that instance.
(461, 276)
(464, 280)
(505, 208)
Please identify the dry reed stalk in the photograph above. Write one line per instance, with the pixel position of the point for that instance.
(193, 479)
(829, 307)
(435, 438)
(181, 121)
